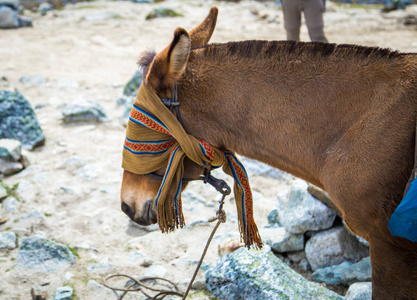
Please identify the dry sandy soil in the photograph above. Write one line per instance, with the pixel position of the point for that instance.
(89, 51)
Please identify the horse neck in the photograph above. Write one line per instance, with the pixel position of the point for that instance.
(286, 113)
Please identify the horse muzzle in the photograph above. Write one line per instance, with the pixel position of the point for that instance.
(144, 216)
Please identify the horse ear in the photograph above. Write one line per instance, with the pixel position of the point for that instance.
(201, 35)
(168, 65)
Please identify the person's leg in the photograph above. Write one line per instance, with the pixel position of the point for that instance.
(292, 19)
(313, 13)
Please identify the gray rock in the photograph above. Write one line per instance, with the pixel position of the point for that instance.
(359, 272)
(10, 167)
(63, 293)
(251, 274)
(11, 204)
(84, 111)
(331, 275)
(33, 80)
(10, 3)
(273, 217)
(280, 240)
(25, 22)
(359, 291)
(18, 120)
(9, 17)
(43, 255)
(332, 247)
(8, 240)
(10, 150)
(45, 7)
(301, 212)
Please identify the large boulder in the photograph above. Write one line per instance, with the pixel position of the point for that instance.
(252, 274)
(18, 120)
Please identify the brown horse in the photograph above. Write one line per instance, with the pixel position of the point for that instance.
(339, 116)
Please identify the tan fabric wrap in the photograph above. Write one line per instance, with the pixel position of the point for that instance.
(168, 218)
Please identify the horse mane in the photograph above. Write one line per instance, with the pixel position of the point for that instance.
(263, 49)
(145, 61)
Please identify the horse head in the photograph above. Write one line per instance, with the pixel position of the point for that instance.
(138, 192)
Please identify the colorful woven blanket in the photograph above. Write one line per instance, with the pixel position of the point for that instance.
(155, 139)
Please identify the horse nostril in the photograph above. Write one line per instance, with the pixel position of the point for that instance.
(127, 210)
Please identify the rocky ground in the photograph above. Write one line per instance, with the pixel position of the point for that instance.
(70, 191)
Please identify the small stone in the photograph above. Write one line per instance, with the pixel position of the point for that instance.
(359, 291)
(63, 293)
(8, 240)
(44, 7)
(229, 246)
(282, 241)
(273, 217)
(11, 204)
(10, 150)
(199, 285)
(331, 275)
(304, 265)
(358, 272)
(84, 111)
(10, 167)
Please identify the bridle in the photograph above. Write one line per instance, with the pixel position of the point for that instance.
(220, 185)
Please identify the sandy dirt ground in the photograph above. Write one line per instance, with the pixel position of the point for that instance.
(89, 51)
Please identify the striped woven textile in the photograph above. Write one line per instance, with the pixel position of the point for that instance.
(155, 139)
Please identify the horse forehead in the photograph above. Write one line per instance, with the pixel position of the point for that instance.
(139, 182)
